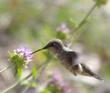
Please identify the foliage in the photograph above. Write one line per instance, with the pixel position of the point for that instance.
(33, 23)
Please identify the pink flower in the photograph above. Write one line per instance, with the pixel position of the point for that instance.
(59, 82)
(63, 28)
(25, 53)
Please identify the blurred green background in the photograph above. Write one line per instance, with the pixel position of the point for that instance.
(32, 23)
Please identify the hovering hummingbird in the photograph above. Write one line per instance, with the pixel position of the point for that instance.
(68, 58)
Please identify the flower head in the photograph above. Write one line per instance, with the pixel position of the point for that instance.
(63, 28)
(24, 53)
(20, 58)
(58, 81)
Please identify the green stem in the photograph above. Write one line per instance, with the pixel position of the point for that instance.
(85, 18)
(43, 67)
(38, 76)
(18, 82)
(82, 22)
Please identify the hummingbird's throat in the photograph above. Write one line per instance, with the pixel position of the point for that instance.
(54, 50)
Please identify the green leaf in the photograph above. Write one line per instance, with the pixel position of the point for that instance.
(19, 72)
(34, 72)
(33, 84)
(100, 2)
(61, 35)
(17, 63)
(46, 91)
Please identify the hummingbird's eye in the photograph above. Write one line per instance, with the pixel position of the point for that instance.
(54, 44)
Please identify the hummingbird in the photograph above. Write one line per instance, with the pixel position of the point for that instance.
(68, 58)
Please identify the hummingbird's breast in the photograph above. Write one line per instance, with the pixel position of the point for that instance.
(65, 59)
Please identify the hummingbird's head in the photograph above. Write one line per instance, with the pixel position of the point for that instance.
(54, 45)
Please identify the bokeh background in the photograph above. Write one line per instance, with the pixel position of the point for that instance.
(32, 23)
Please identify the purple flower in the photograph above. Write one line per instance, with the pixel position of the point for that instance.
(57, 78)
(24, 53)
(59, 82)
(63, 28)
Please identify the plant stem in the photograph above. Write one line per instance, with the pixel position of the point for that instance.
(4, 69)
(85, 18)
(11, 87)
(82, 22)
(38, 76)
(18, 82)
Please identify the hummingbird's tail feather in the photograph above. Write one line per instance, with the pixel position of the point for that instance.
(88, 72)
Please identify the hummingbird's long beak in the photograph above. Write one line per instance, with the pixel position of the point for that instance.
(39, 50)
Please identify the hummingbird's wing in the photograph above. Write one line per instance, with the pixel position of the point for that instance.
(72, 55)
(67, 60)
(77, 68)
(88, 72)
(80, 68)
(73, 65)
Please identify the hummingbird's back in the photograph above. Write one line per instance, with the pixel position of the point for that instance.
(68, 60)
